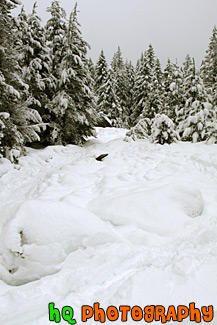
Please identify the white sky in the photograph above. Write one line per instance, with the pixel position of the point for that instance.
(173, 27)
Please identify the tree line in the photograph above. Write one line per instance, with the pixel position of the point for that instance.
(50, 92)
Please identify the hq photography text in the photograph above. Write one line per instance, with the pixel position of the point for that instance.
(125, 313)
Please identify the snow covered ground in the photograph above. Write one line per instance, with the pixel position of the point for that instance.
(138, 228)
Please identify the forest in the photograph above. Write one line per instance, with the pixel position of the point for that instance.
(53, 93)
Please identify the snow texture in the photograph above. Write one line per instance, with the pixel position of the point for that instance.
(139, 228)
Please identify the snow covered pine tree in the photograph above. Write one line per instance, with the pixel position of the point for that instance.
(72, 105)
(19, 123)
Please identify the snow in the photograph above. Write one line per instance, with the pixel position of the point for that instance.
(138, 228)
(172, 86)
(5, 115)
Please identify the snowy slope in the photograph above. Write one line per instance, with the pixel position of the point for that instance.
(138, 228)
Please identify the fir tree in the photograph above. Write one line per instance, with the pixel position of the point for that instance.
(173, 93)
(209, 67)
(155, 101)
(34, 59)
(21, 123)
(143, 87)
(81, 113)
(187, 66)
(56, 36)
(108, 102)
(151, 59)
(73, 102)
(92, 72)
(117, 63)
(129, 80)
(117, 69)
(140, 130)
(182, 92)
(163, 130)
(10, 80)
(198, 114)
(101, 72)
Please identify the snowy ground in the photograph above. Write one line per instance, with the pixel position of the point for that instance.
(138, 228)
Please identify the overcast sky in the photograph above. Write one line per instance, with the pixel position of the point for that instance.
(173, 27)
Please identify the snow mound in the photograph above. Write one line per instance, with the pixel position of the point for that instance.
(41, 236)
(163, 210)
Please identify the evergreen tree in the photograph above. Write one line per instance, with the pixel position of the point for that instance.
(155, 101)
(198, 114)
(144, 86)
(129, 80)
(101, 72)
(140, 130)
(141, 89)
(118, 71)
(73, 102)
(10, 81)
(209, 67)
(56, 36)
(34, 59)
(117, 63)
(158, 71)
(92, 72)
(187, 66)
(151, 59)
(158, 88)
(108, 102)
(18, 123)
(163, 130)
(188, 74)
(173, 92)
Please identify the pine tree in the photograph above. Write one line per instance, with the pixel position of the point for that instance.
(151, 59)
(158, 71)
(143, 87)
(163, 130)
(181, 92)
(118, 72)
(10, 81)
(209, 67)
(101, 72)
(140, 130)
(92, 72)
(155, 101)
(173, 92)
(73, 102)
(117, 63)
(108, 102)
(56, 36)
(198, 114)
(34, 59)
(18, 123)
(129, 81)
(81, 113)
(187, 66)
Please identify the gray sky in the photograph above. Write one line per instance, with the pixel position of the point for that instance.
(173, 27)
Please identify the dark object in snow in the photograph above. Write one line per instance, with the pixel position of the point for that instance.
(37, 145)
(101, 157)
